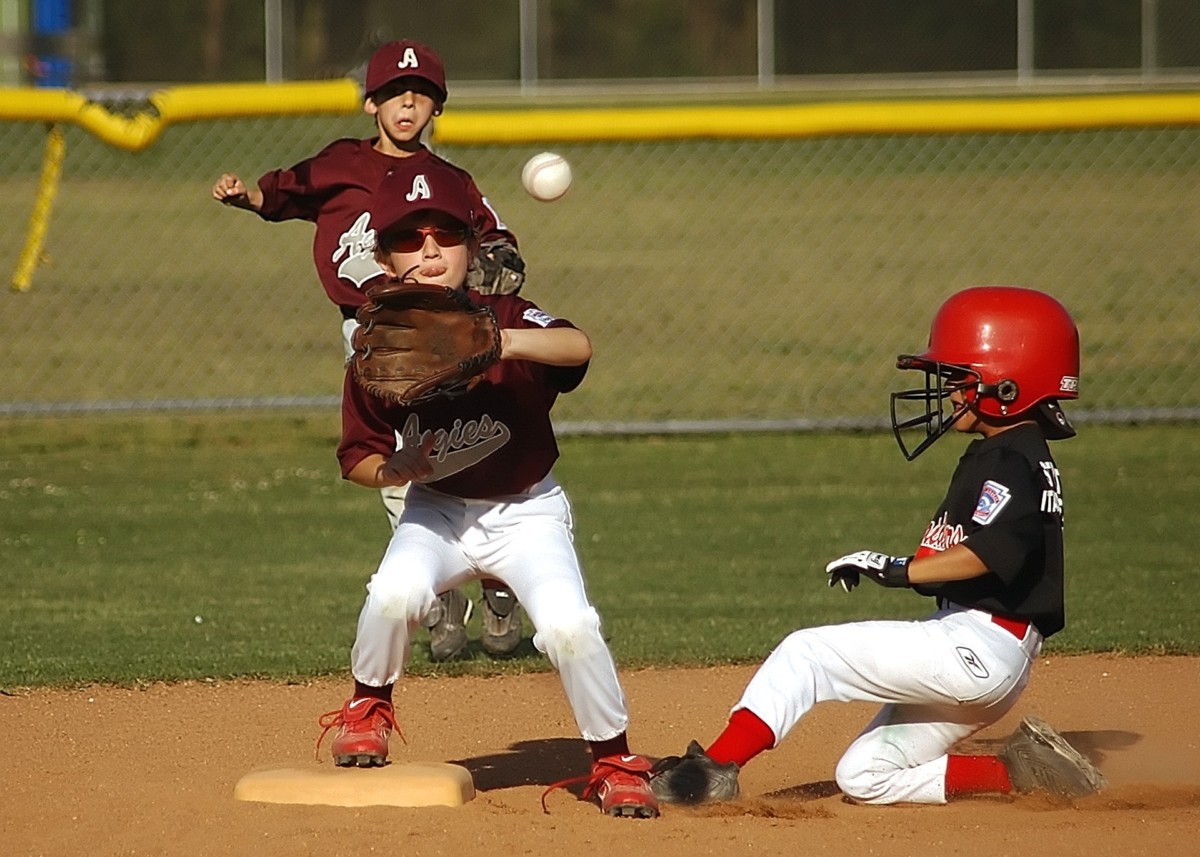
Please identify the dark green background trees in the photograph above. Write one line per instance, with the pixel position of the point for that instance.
(192, 40)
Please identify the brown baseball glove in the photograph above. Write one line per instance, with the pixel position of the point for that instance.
(417, 341)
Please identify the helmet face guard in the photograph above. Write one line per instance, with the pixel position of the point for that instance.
(934, 414)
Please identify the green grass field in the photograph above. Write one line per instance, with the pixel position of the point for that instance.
(189, 547)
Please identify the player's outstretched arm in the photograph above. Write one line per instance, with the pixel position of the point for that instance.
(554, 346)
(231, 190)
(956, 563)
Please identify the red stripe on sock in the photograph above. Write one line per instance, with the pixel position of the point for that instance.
(744, 738)
(967, 775)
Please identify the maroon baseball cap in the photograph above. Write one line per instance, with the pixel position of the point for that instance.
(425, 186)
(405, 58)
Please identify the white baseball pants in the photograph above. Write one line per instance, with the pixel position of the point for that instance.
(524, 540)
(941, 679)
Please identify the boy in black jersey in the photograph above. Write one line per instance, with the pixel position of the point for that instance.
(992, 555)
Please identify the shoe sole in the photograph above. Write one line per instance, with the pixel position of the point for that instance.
(453, 642)
(360, 760)
(715, 793)
(504, 634)
(448, 651)
(1042, 732)
(500, 646)
(632, 810)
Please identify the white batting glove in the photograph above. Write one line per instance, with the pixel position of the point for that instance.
(884, 569)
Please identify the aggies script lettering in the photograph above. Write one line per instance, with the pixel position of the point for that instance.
(939, 536)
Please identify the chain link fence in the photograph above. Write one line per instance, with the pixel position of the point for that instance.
(761, 282)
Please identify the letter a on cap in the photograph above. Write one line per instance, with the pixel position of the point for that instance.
(408, 59)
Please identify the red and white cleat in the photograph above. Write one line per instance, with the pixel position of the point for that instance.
(363, 725)
(621, 785)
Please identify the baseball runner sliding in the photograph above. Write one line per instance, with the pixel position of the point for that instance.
(1000, 359)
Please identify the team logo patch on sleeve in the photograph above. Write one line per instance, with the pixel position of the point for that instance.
(536, 316)
(992, 499)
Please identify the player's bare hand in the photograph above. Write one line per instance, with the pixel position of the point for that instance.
(884, 569)
(231, 190)
(227, 187)
(409, 464)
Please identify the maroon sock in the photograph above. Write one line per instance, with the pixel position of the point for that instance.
(618, 746)
(967, 775)
(744, 738)
(384, 693)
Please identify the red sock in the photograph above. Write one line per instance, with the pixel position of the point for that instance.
(966, 775)
(384, 693)
(744, 738)
(618, 746)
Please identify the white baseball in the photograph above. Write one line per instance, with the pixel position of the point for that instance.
(546, 176)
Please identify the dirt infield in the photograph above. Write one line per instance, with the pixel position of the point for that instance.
(104, 770)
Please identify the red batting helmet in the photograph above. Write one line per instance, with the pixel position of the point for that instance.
(1013, 352)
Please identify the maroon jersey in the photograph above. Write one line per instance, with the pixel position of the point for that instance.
(333, 190)
(495, 440)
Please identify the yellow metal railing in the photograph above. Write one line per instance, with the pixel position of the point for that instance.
(527, 125)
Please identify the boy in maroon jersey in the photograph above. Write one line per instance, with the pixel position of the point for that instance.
(405, 89)
(482, 499)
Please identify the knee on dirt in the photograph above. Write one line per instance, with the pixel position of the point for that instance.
(868, 772)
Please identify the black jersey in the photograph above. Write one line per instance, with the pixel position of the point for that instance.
(1005, 504)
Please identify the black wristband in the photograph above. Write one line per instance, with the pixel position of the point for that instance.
(896, 572)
